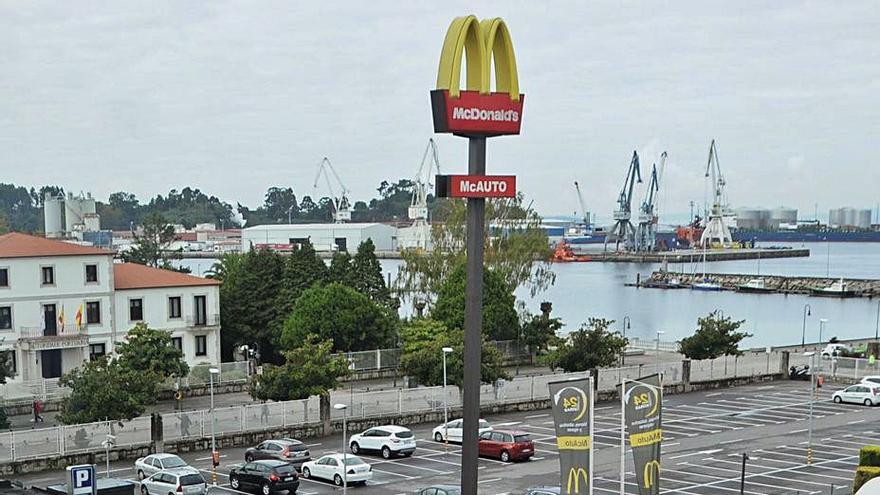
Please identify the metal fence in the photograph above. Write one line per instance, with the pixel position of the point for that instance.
(61, 440)
(379, 359)
(236, 419)
(841, 367)
(651, 344)
(747, 365)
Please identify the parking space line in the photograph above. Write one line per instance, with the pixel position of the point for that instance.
(749, 476)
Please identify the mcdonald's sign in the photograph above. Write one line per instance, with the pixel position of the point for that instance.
(574, 480)
(652, 473)
(476, 110)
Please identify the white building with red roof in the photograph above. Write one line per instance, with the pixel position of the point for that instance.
(62, 303)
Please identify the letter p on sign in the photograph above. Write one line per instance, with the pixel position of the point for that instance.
(81, 480)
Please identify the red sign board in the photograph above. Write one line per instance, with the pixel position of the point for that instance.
(476, 114)
(476, 186)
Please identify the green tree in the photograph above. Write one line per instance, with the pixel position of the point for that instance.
(149, 350)
(102, 389)
(538, 332)
(515, 247)
(153, 243)
(225, 267)
(4, 224)
(422, 359)
(340, 271)
(249, 302)
(367, 273)
(591, 346)
(309, 369)
(302, 269)
(4, 374)
(500, 320)
(341, 314)
(715, 336)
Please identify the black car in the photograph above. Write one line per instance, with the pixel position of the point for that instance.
(282, 449)
(267, 476)
(544, 490)
(440, 490)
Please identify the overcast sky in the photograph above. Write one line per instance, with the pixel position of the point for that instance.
(234, 97)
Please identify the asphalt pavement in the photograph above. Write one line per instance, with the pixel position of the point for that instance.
(705, 435)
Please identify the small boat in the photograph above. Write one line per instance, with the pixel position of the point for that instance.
(837, 289)
(754, 285)
(667, 283)
(564, 254)
(706, 285)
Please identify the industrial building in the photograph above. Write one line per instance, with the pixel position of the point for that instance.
(766, 219)
(323, 236)
(849, 218)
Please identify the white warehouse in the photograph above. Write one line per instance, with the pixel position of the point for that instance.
(324, 236)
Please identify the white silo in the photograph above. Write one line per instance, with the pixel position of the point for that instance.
(52, 220)
(76, 209)
(751, 218)
(783, 215)
(863, 219)
(849, 217)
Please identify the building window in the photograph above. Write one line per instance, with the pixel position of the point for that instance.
(4, 277)
(201, 345)
(93, 313)
(178, 343)
(48, 275)
(5, 317)
(135, 309)
(9, 357)
(174, 307)
(91, 274)
(201, 310)
(96, 351)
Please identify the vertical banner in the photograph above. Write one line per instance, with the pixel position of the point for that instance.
(572, 404)
(642, 405)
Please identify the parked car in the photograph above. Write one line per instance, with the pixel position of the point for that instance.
(330, 467)
(507, 445)
(454, 429)
(267, 475)
(185, 481)
(544, 490)
(388, 440)
(871, 380)
(440, 490)
(152, 464)
(861, 393)
(834, 350)
(799, 372)
(283, 449)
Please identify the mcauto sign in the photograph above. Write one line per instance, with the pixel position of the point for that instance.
(475, 186)
(476, 111)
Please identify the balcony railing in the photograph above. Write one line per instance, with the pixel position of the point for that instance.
(207, 321)
(37, 338)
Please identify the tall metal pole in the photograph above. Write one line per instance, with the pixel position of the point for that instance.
(877, 325)
(623, 354)
(473, 321)
(742, 479)
(807, 311)
(659, 333)
(821, 328)
(812, 398)
(213, 436)
(344, 453)
(445, 405)
(623, 436)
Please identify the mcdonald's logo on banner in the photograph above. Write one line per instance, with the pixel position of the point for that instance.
(477, 111)
(574, 480)
(652, 473)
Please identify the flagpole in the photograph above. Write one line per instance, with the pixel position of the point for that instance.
(592, 450)
(623, 436)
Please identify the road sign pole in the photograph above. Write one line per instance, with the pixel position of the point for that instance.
(473, 321)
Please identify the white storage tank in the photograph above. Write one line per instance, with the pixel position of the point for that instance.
(76, 209)
(783, 215)
(863, 219)
(52, 215)
(752, 218)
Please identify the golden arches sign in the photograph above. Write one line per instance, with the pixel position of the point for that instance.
(574, 480)
(652, 473)
(476, 110)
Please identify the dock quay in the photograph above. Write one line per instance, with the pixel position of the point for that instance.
(774, 283)
(695, 255)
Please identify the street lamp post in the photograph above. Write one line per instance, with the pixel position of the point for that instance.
(343, 408)
(811, 355)
(659, 333)
(742, 479)
(822, 322)
(446, 350)
(215, 458)
(877, 325)
(807, 312)
(626, 326)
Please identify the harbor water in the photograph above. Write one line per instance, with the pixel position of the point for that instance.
(584, 290)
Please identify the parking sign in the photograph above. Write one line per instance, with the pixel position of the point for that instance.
(81, 480)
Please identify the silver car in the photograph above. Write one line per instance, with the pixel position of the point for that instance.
(152, 464)
(186, 481)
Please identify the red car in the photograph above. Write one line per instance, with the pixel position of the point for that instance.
(507, 445)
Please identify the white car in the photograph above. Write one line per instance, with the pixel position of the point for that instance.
(388, 440)
(329, 467)
(832, 350)
(871, 380)
(453, 430)
(860, 393)
(152, 464)
(186, 481)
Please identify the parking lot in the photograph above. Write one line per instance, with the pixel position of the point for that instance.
(705, 434)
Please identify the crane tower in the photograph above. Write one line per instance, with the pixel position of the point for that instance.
(716, 232)
(341, 206)
(646, 234)
(418, 209)
(623, 229)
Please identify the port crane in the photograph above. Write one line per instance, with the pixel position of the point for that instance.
(341, 211)
(623, 229)
(418, 209)
(646, 233)
(584, 212)
(716, 232)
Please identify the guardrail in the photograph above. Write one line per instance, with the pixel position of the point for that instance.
(652, 345)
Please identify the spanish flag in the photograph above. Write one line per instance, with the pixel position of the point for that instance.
(79, 317)
(61, 319)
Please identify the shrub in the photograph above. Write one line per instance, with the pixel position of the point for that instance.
(863, 475)
(869, 455)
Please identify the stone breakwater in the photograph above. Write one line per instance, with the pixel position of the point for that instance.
(781, 284)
